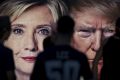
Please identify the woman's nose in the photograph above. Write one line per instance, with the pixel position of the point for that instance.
(31, 44)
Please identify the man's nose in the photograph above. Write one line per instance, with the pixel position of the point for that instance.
(97, 41)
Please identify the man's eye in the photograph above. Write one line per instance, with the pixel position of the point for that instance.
(108, 32)
(44, 31)
(84, 33)
(17, 31)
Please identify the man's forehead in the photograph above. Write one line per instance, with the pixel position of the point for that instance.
(85, 26)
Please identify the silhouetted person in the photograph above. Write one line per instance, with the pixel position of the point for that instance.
(1, 1)
(6, 57)
(111, 51)
(61, 61)
(47, 43)
(4, 28)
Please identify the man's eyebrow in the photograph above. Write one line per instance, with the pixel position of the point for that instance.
(109, 27)
(85, 27)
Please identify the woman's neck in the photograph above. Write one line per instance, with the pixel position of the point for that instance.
(21, 76)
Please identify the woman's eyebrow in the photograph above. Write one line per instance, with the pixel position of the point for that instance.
(42, 26)
(18, 25)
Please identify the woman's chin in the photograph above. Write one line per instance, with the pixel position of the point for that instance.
(24, 71)
(26, 68)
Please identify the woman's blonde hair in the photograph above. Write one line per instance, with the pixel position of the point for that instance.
(15, 8)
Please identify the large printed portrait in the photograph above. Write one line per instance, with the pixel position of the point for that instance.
(32, 21)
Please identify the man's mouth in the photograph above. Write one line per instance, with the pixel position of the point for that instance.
(91, 61)
(100, 63)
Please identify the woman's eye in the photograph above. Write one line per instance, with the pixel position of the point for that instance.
(84, 33)
(44, 31)
(17, 31)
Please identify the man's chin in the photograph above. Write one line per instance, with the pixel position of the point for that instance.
(100, 67)
(100, 64)
(90, 63)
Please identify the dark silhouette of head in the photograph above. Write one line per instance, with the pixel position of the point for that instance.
(117, 25)
(65, 25)
(4, 27)
(47, 42)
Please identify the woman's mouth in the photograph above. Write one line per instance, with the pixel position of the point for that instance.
(29, 59)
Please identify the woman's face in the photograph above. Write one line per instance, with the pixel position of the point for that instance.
(91, 30)
(26, 39)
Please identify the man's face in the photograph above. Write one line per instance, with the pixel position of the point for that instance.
(90, 31)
